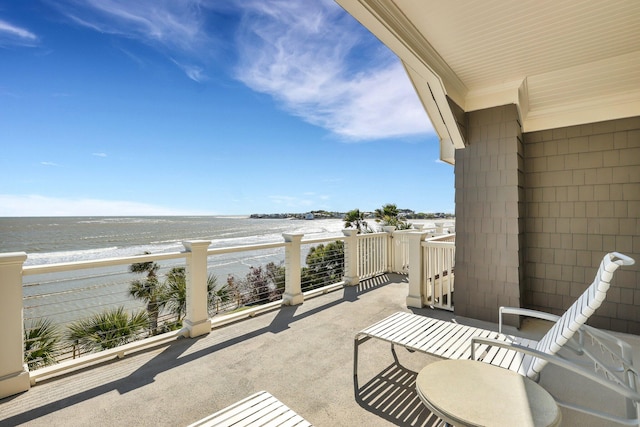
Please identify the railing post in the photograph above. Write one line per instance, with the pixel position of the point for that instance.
(414, 299)
(292, 281)
(197, 318)
(389, 229)
(14, 374)
(351, 257)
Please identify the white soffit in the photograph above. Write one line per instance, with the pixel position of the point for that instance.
(563, 62)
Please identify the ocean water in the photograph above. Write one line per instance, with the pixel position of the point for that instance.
(67, 239)
(70, 296)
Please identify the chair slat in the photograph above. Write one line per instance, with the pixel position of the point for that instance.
(260, 409)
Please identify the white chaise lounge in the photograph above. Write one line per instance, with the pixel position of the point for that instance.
(260, 409)
(527, 357)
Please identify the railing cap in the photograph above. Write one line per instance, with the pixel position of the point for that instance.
(13, 257)
(292, 237)
(190, 245)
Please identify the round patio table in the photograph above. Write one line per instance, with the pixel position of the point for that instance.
(470, 393)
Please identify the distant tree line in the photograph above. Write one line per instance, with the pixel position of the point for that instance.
(322, 214)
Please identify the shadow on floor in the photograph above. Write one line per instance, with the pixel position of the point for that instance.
(392, 396)
(178, 353)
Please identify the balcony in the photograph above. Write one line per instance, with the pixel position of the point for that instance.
(302, 354)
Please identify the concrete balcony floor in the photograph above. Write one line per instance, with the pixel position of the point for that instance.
(303, 355)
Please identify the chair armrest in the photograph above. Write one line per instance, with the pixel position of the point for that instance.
(625, 260)
(605, 340)
(525, 312)
(616, 386)
(600, 335)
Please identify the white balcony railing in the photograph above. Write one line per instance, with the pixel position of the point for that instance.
(400, 257)
(365, 256)
(431, 263)
(438, 271)
(373, 255)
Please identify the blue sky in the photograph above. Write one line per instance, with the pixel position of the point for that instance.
(162, 107)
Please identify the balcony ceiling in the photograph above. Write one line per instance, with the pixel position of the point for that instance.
(561, 62)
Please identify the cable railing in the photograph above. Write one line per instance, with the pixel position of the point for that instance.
(323, 264)
(75, 313)
(68, 314)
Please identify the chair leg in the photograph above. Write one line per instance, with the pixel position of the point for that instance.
(395, 355)
(356, 343)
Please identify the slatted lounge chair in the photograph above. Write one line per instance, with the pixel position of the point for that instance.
(260, 409)
(527, 357)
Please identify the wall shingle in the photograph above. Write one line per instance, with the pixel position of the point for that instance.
(594, 206)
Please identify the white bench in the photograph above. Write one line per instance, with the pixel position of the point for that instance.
(260, 409)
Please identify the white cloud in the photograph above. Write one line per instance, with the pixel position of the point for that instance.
(49, 164)
(36, 205)
(309, 56)
(173, 27)
(194, 72)
(174, 24)
(99, 154)
(13, 35)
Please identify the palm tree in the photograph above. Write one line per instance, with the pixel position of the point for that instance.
(389, 215)
(355, 218)
(175, 296)
(221, 296)
(108, 329)
(41, 344)
(148, 290)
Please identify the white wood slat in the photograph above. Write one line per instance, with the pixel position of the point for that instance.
(260, 409)
(450, 335)
(512, 358)
(465, 353)
(393, 328)
(261, 415)
(427, 329)
(426, 338)
(409, 330)
(236, 412)
(462, 342)
(239, 418)
(492, 351)
(431, 343)
(520, 364)
(447, 339)
(501, 358)
(444, 339)
(379, 327)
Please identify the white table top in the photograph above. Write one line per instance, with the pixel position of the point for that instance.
(470, 393)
